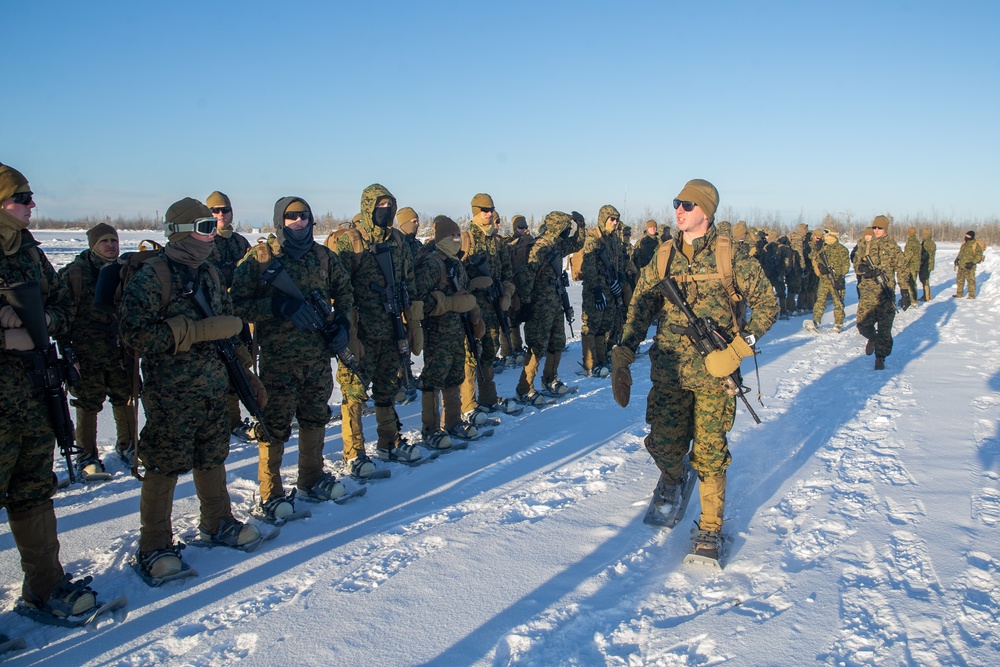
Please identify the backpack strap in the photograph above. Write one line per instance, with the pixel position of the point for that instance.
(74, 276)
(724, 258)
(159, 263)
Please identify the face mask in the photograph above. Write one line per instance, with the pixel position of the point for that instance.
(382, 217)
(449, 246)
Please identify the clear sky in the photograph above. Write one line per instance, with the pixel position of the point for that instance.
(120, 108)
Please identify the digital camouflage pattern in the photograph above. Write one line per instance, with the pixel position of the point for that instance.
(27, 440)
(971, 252)
(600, 322)
(481, 242)
(686, 401)
(911, 255)
(444, 335)
(184, 394)
(95, 340)
(838, 260)
(928, 253)
(227, 253)
(876, 312)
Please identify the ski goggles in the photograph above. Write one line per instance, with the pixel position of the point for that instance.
(22, 198)
(200, 225)
(688, 206)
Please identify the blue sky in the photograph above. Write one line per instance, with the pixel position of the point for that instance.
(789, 108)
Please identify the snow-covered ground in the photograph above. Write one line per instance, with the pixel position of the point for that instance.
(863, 513)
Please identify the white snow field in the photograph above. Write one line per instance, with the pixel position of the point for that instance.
(863, 515)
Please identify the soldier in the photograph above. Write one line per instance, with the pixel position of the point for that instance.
(878, 258)
(831, 262)
(409, 223)
(928, 251)
(646, 247)
(187, 426)
(229, 249)
(441, 283)
(541, 305)
(689, 406)
(603, 306)
(294, 354)
(776, 264)
(97, 345)
(373, 339)
(790, 255)
(519, 246)
(911, 253)
(970, 254)
(480, 242)
(27, 440)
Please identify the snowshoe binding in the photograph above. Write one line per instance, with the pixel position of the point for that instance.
(556, 388)
(707, 548)
(90, 469)
(810, 326)
(534, 398)
(233, 534)
(245, 431)
(327, 487)
(670, 501)
(407, 454)
(361, 469)
(279, 510)
(159, 566)
(11, 644)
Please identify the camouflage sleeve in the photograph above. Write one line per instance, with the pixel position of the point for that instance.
(139, 318)
(250, 303)
(756, 289)
(506, 265)
(426, 277)
(574, 242)
(840, 261)
(60, 305)
(589, 270)
(900, 264)
(407, 277)
(339, 287)
(528, 273)
(647, 301)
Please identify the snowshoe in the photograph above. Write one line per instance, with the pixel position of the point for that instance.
(244, 431)
(279, 510)
(439, 439)
(69, 598)
(327, 487)
(406, 395)
(9, 644)
(233, 534)
(126, 452)
(670, 501)
(706, 548)
(556, 388)
(810, 326)
(361, 469)
(507, 406)
(499, 365)
(90, 469)
(406, 454)
(837, 329)
(479, 416)
(86, 620)
(466, 433)
(534, 398)
(159, 566)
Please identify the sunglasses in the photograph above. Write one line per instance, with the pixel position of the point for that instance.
(523, 229)
(686, 205)
(304, 215)
(613, 219)
(201, 225)
(222, 209)
(485, 210)
(22, 198)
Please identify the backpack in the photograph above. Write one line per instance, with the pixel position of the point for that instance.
(359, 244)
(724, 258)
(576, 265)
(263, 253)
(519, 252)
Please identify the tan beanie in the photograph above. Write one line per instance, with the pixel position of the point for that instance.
(927, 233)
(100, 232)
(650, 224)
(183, 212)
(702, 193)
(830, 235)
(740, 230)
(881, 222)
(407, 220)
(297, 206)
(217, 199)
(481, 201)
(445, 227)
(11, 182)
(518, 221)
(356, 219)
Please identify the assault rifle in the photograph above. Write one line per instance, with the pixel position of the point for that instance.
(49, 370)
(475, 345)
(878, 275)
(561, 283)
(493, 294)
(704, 334)
(335, 334)
(835, 280)
(227, 352)
(396, 300)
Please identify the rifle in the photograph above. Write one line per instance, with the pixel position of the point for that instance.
(493, 294)
(475, 345)
(704, 334)
(825, 269)
(335, 335)
(49, 369)
(611, 275)
(227, 352)
(396, 300)
(561, 283)
(878, 275)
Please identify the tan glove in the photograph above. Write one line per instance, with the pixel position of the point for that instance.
(17, 339)
(244, 356)
(480, 283)
(508, 294)
(258, 389)
(187, 333)
(478, 326)
(415, 332)
(621, 376)
(9, 319)
(723, 363)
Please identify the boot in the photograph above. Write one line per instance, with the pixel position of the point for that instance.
(430, 416)
(126, 427)
(269, 456)
(600, 351)
(452, 412)
(387, 427)
(713, 502)
(525, 385)
(879, 363)
(487, 386)
(587, 345)
(88, 461)
(551, 371)
(351, 430)
(34, 532)
(310, 456)
(469, 389)
(156, 501)
(216, 507)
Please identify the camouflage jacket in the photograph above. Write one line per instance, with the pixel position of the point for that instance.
(538, 280)
(837, 258)
(29, 263)
(226, 254)
(911, 252)
(971, 251)
(928, 250)
(179, 379)
(886, 256)
(431, 275)
(94, 334)
(673, 358)
(367, 279)
(498, 258)
(594, 273)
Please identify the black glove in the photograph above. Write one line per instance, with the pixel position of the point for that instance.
(296, 311)
(824, 269)
(577, 218)
(863, 271)
(600, 303)
(338, 334)
(838, 283)
(969, 265)
(527, 311)
(615, 287)
(904, 300)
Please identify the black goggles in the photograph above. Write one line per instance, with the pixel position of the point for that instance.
(22, 198)
(222, 209)
(200, 226)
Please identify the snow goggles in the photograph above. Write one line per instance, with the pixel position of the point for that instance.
(199, 225)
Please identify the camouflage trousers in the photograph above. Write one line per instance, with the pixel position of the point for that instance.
(680, 420)
(825, 292)
(875, 318)
(601, 322)
(910, 285)
(181, 437)
(485, 387)
(301, 391)
(545, 333)
(381, 366)
(26, 458)
(444, 364)
(100, 379)
(963, 277)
